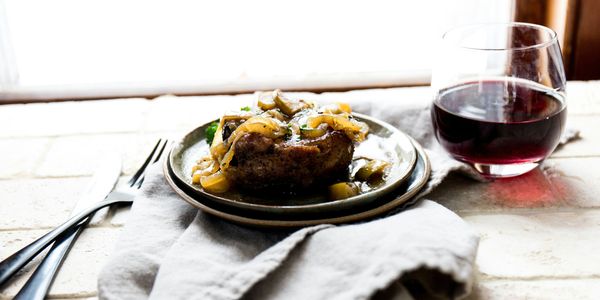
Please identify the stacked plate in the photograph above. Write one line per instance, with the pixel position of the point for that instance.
(409, 173)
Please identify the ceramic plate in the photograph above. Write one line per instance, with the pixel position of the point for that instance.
(416, 181)
(392, 145)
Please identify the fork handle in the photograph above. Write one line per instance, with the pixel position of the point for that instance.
(39, 283)
(15, 262)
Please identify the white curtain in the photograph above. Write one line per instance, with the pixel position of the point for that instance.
(8, 68)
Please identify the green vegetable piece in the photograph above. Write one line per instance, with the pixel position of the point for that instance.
(245, 108)
(288, 132)
(210, 132)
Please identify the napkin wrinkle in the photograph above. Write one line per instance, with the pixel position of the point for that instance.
(386, 274)
(155, 219)
(570, 134)
(434, 258)
(369, 254)
(241, 256)
(241, 281)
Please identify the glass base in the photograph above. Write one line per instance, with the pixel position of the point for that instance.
(503, 171)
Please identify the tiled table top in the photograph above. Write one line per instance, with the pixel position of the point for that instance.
(539, 233)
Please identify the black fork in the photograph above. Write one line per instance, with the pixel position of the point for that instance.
(121, 194)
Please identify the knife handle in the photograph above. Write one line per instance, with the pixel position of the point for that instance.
(15, 262)
(39, 283)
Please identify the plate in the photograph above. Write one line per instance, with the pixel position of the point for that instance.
(416, 181)
(394, 145)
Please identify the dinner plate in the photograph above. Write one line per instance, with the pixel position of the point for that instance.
(402, 196)
(383, 142)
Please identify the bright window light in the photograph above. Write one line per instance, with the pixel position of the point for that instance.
(72, 43)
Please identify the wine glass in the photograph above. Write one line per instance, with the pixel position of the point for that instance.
(499, 102)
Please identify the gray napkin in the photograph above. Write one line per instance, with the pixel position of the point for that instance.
(170, 250)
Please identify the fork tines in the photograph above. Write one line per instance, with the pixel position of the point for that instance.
(138, 177)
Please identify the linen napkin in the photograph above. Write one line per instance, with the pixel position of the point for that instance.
(170, 250)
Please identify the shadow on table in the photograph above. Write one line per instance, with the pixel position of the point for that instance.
(543, 187)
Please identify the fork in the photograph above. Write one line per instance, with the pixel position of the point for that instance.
(123, 194)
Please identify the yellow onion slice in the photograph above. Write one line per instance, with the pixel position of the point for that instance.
(345, 107)
(273, 113)
(311, 133)
(268, 127)
(371, 169)
(337, 108)
(217, 148)
(203, 163)
(215, 183)
(343, 190)
(356, 131)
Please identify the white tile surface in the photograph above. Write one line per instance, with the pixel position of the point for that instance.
(66, 118)
(77, 277)
(581, 289)
(38, 203)
(533, 245)
(19, 157)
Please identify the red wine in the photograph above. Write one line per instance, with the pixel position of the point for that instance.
(499, 122)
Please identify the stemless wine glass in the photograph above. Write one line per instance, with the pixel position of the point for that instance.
(499, 101)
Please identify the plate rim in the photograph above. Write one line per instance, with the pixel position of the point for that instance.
(300, 209)
(280, 223)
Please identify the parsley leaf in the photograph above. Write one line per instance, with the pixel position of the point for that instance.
(245, 108)
(210, 132)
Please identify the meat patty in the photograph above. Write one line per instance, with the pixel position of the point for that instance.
(261, 162)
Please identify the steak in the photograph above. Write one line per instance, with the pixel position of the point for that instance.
(283, 165)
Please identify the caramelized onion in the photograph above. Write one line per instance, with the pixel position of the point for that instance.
(337, 108)
(314, 132)
(356, 131)
(281, 117)
(343, 190)
(215, 183)
(273, 113)
(268, 127)
(372, 169)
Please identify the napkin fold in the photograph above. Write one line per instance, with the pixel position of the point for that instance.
(170, 250)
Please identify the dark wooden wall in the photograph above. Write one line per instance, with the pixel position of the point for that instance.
(585, 57)
(581, 42)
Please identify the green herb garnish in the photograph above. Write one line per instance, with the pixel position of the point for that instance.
(288, 132)
(210, 132)
(245, 108)
(303, 126)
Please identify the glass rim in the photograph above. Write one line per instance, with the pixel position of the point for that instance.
(551, 33)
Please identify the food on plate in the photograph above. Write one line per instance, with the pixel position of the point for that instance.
(343, 190)
(373, 169)
(287, 145)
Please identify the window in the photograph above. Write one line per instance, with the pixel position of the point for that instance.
(105, 48)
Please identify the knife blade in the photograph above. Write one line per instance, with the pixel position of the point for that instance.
(102, 183)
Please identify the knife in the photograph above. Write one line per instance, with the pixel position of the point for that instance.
(102, 183)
